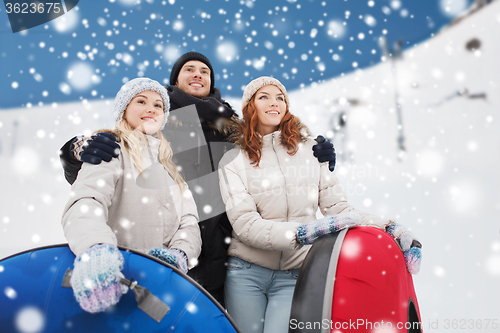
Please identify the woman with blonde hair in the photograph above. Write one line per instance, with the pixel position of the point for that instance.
(272, 187)
(138, 201)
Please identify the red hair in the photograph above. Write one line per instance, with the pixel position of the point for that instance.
(250, 127)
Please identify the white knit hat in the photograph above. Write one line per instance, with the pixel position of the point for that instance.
(133, 87)
(260, 82)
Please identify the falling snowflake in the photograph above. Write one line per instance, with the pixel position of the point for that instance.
(30, 320)
(439, 271)
(191, 308)
(10, 293)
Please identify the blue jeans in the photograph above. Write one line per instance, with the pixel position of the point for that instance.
(259, 299)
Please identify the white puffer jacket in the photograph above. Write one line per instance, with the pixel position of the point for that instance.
(113, 203)
(267, 204)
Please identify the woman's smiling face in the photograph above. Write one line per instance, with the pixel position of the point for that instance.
(270, 106)
(145, 112)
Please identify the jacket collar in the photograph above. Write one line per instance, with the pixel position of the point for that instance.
(267, 140)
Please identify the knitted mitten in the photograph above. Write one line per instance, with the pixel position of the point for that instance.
(173, 257)
(77, 147)
(94, 149)
(96, 278)
(308, 233)
(405, 236)
(413, 258)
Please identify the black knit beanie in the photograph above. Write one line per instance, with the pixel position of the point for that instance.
(188, 57)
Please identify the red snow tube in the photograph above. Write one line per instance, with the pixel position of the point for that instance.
(355, 281)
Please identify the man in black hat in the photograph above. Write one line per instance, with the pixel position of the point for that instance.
(197, 152)
(187, 66)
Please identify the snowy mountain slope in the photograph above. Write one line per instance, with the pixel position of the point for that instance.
(445, 187)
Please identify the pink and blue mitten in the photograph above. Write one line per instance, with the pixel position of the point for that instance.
(407, 241)
(413, 259)
(174, 257)
(308, 233)
(96, 278)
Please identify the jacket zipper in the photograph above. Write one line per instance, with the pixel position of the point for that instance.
(286, 194)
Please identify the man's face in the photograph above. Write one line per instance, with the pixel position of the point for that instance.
(194, 79)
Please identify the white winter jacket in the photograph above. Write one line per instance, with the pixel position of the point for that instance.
(112, 203)
(267, 204)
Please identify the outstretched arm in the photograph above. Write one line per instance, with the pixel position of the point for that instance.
(94, 149)
(85, 215)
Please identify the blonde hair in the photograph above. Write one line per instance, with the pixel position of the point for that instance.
(134, 140)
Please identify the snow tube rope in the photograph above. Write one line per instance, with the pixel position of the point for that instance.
(146, 301)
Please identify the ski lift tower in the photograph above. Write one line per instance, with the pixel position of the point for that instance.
(395, 55)
(338, 124)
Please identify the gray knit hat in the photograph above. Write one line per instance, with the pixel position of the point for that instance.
(133, 87)
(260, 82)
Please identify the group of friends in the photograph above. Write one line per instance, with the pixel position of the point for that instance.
(147, 185)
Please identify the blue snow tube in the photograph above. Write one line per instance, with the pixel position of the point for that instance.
(32, 298)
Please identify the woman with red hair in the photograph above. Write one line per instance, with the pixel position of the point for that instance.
(272, 187)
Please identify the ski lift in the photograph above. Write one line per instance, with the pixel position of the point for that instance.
(463, 92)
(473, 45)
(338, 121)
(394, 55)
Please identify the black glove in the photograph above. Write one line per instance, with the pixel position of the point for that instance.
(99, 147)
(325, 152)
